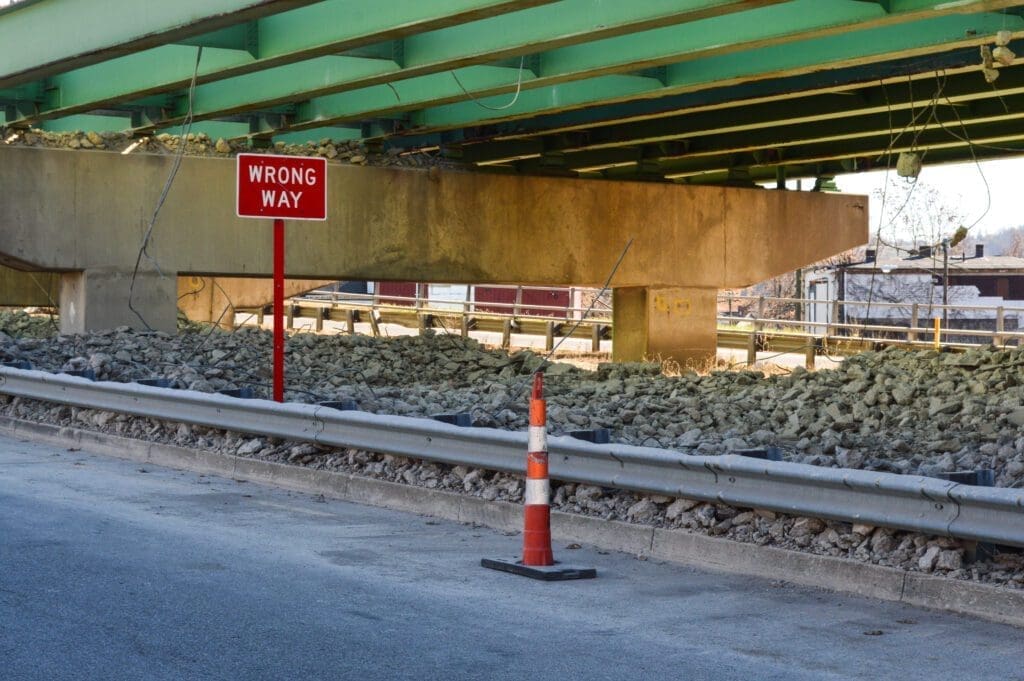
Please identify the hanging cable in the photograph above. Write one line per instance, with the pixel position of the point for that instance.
(143, 249)
(503, 107)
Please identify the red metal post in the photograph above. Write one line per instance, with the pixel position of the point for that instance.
(279, 310)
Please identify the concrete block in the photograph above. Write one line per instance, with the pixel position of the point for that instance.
(497, 514)
(994, 603)
(94, 300)
(771, 563)
(608, 534)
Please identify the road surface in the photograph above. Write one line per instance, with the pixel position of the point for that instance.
(111, 569)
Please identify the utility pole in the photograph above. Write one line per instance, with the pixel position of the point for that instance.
(945, 287)
(799, 294)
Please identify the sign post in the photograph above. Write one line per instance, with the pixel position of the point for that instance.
(280, 187)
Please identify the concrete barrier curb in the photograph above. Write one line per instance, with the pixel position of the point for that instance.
(677, 546)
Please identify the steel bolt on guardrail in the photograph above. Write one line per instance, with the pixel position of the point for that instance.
(927, 505)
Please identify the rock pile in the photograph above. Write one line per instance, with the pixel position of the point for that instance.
(200, 144)
(905, 412)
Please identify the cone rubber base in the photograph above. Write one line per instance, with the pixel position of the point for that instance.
(546, 573)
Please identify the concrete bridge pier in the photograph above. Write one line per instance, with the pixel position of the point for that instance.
(671, 322)
(62, 213)
(97, 299)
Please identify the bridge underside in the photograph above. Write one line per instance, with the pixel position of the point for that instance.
(684, 95)
(684, 242)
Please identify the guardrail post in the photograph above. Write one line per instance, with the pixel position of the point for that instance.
(421, 323)
(374, 327)
(259, 317)
(810, 361)
(290, 318)
(420, 296)
(464, 330)
(1000, 325)
(506, 333)
(595, 338)
(350, 320)
(549, 336)
(319, 319)
(758, 327)
(915, 312)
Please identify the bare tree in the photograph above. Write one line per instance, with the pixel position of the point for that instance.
(915, 214)
(1016, 247)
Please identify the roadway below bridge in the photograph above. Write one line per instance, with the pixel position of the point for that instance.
(109, 569)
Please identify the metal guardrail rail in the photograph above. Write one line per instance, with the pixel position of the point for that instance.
(922, 504)
(758, 333)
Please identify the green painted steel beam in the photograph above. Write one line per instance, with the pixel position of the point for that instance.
(146, 74)
(88, 123)
(788, 56)
(335, 134)
(797, 108)
(325, 28)
(870, 152)
(541, 27)
(898, 126)
(767, 173)
(212, 129)
(477, 43)
(42, 38)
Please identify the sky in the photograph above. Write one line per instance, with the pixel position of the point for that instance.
(962, 185)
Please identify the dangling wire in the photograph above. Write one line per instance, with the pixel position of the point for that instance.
(143, 250)
(515, 98)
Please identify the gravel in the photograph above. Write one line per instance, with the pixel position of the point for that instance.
(907, 412)
(920, 413)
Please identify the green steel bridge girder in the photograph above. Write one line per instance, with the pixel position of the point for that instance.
(861, 99)
(80, 32)
(897, 127)
(833, 51)
(709, 41)
(874, 152)
(421, 75)
(769, 172)
(289, 40)
(848, 49)
(581, 83)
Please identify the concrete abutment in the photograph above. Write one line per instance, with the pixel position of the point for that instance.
(85, 212)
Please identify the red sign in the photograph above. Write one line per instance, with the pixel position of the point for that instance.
(282, 187)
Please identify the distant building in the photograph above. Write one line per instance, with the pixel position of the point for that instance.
(532, 301)
(883, 291)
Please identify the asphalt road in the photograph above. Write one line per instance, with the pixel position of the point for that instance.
(112, 570)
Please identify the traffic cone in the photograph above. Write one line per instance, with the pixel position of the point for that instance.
(538, 560)
(537, 515)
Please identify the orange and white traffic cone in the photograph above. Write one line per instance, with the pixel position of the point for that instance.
(537, 524)
(538, 560)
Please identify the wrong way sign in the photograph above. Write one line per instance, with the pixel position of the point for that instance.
(281, 187)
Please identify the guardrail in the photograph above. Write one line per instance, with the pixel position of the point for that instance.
(453, 316)
(927, 505)
(756, 333)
